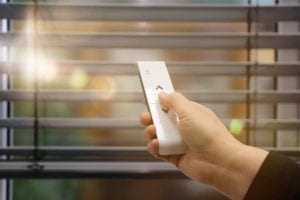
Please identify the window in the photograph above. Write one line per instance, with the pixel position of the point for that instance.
(70, 94)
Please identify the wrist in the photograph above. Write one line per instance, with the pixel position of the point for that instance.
(250, 160)
(234, 167)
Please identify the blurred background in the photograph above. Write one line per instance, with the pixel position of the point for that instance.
(70, 92)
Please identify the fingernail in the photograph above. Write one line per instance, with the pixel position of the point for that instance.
(163, 101)
(162, 98)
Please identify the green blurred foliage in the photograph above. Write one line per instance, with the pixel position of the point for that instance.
(46, 189)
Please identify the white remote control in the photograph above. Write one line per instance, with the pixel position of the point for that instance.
(155, 78)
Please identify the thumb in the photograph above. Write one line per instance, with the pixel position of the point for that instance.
(175, 101)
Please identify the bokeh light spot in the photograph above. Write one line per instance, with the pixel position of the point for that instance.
(78, 79)
(236, 126)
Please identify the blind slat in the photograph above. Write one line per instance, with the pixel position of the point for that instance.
(209, 13)
(175, 68)
(119, 170)
(113, 123)
(120, 151)
(127, 96)
(155, 40)
(97, 153)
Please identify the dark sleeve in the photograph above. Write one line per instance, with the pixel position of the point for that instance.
(278, 178)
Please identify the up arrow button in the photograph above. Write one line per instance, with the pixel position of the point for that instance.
(159, 87)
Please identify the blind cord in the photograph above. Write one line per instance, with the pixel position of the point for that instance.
(36, 156)
(255, 45)
(248, 75)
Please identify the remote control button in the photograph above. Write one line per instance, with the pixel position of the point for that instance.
(165, 110)
(159, 88)
(156, 92)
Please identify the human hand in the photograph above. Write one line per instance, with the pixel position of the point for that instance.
(201, 131)
(212, 152)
